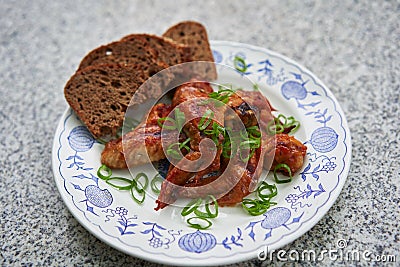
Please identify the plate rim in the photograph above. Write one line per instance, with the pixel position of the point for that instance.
(214, 260)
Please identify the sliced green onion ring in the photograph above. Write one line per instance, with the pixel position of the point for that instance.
(104, 168)
(254, 207)
(215, 214)
(208, 214)
(146, 180)
(141, 193)
(193, 205)
(173, 152)
(117, 181)
(272, 191)
(206, 120)
(296, 125)
(287, 168)
(162, 123)
(153, 184)
(239, 64)
(274, 127)
(222, 95)
(184, 145)
(254, 132)
(179, 119)
(176, 153)
(198, 225)
(259, 206)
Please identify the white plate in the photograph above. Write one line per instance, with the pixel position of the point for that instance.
(164, 237)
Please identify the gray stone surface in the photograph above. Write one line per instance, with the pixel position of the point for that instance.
(353, 46)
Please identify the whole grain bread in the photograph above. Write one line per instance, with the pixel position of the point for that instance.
(108, 76)
(100, 95)
(167, 50)
(194, 35)
(139, 49)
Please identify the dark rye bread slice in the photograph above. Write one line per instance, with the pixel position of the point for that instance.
(136, 52)
(194, 35)
(139, 49)
(167, 50)
(100, 95)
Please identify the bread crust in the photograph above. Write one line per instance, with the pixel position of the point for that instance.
(101, 89)
(194, 35)
(100, 95)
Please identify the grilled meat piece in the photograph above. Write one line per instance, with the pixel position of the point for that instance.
(140, 146)
(288, 150)
(197, 162)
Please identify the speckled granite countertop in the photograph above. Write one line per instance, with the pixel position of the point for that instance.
(353, 46)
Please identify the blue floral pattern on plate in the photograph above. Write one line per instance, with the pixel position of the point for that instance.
(113, 217)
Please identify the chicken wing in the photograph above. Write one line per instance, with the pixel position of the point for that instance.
(290, 151)
(239, 180)
(196, 163)
(139, 146)
(230, 188)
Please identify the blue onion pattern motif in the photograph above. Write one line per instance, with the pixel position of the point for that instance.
(97, 197)
(217, 56)
(324, 139)
(293, 89)
(80, 139)
(275, 218)
(197, 242)
(297, 90)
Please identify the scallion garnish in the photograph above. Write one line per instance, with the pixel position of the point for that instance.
(253, 131)
(104, 168)
(222, 95)
(203, 216)
(250, 141)
(191, 207)
(279, 167)
(157, 179)
(121, 183)
(271, 191)
(206, 119)
(179, 119)
(259, 206)
(175, 153)
(169, 123)
(199, 226)
(138, 191)
(256, 207)
(162, 123)
(240, 64)
(215, 132)
(274, 128)
(146, 180)
(282, 124)
(208, 213)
